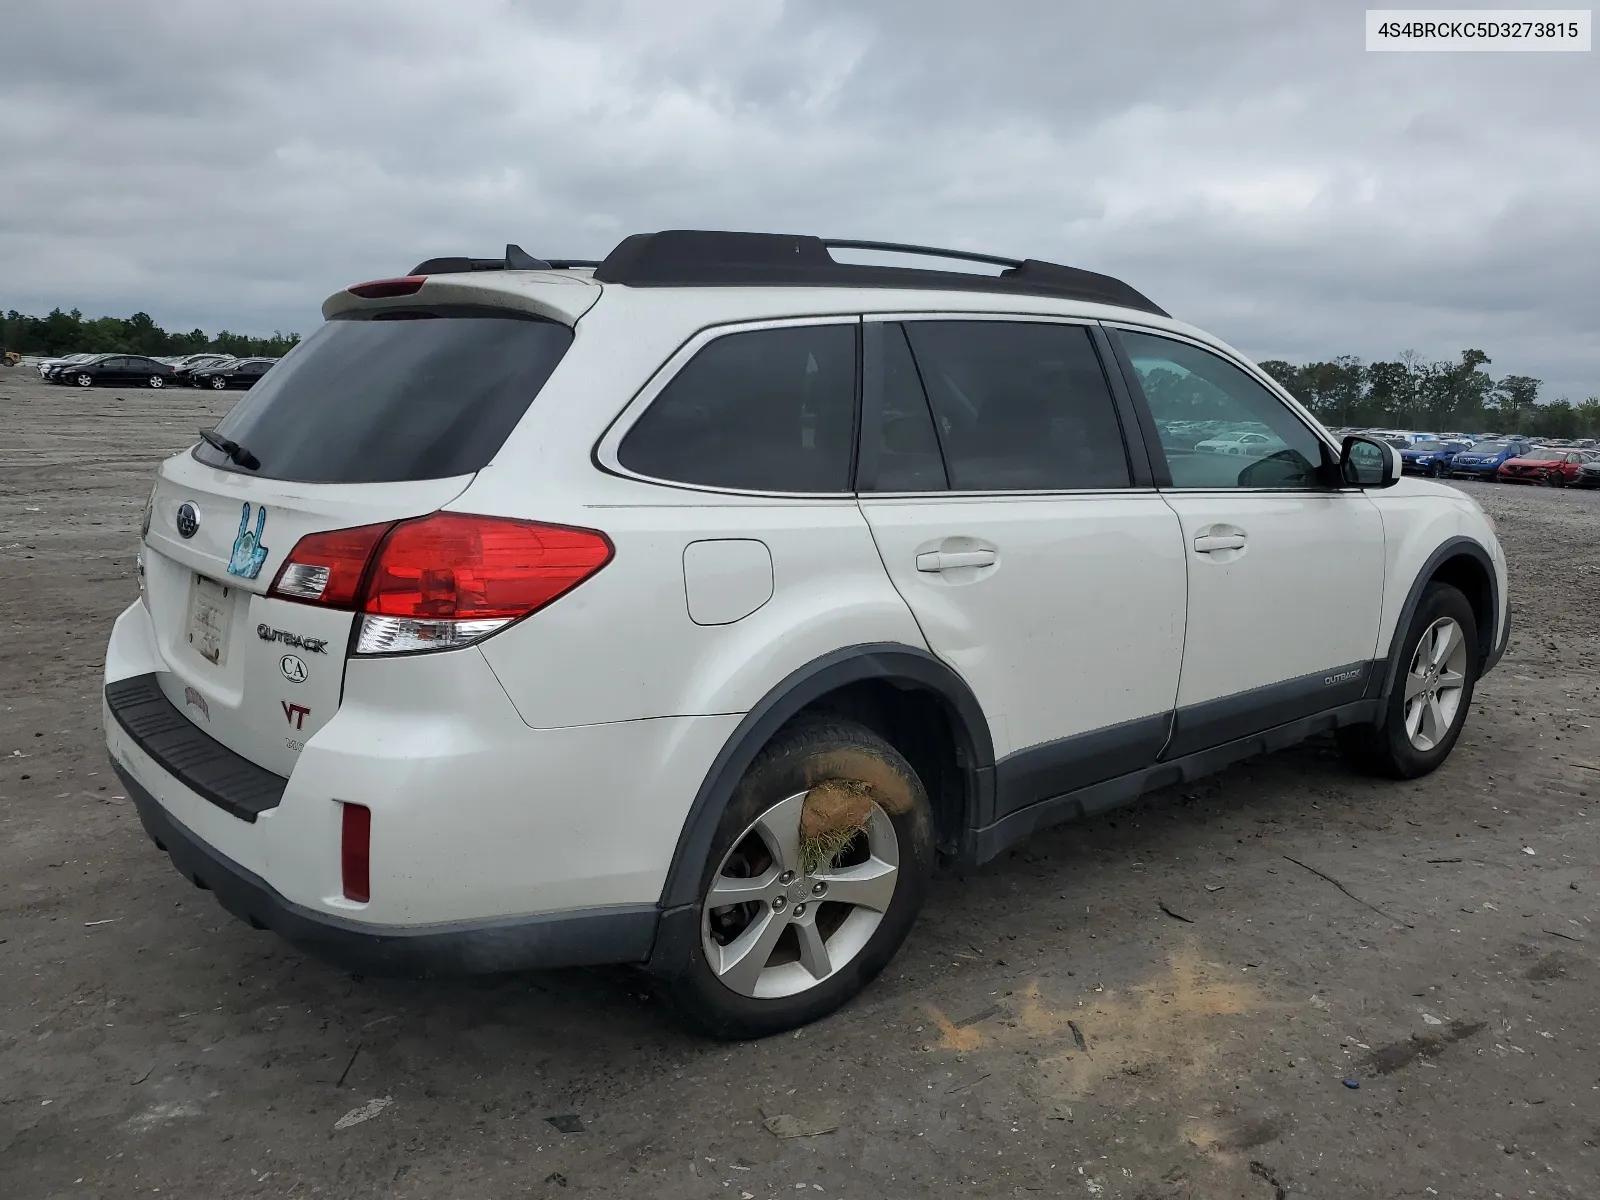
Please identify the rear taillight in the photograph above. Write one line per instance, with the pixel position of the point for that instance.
(326, 568)
(439, 581)
(355, 852)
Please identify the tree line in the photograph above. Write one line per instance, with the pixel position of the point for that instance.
(62, 333)
(1442, 396)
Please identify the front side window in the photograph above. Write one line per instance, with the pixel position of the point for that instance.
(1019, 406)
(1219, 427)
(768, 410)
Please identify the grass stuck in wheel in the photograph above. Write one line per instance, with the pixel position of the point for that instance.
(836, 812)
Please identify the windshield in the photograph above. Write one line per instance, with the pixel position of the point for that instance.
(1489, 447)
(1427, 446)
(400, 395)
(1545, 455)
(1398, 443)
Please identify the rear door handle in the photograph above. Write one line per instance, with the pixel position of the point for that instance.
(1206, 543)
(948, 560)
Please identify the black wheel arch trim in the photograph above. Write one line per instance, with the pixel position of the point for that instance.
(1490, 646)
(890, 662)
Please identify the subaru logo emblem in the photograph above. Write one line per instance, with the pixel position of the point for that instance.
(293, 668)
(188, 520)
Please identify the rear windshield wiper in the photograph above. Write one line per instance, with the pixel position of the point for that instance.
(232, 449)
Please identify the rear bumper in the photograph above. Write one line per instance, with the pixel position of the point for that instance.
(494, 846)
(622, 934)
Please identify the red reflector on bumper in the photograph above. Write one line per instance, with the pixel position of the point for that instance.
(355, 843)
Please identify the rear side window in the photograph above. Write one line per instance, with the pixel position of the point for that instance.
(769, 410)
(402, 397)
(1020, 406)
(899, 442)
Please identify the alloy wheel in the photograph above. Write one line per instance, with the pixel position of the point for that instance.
(156, 381)
(85, 380)
(218, 382)
(1435, 683)
(771, 928)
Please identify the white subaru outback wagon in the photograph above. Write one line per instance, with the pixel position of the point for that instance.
(683, 609)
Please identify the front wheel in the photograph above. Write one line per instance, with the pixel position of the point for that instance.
(1428, 704)
(218, 382)
(85, 381)
(814, 879)
(157, 381)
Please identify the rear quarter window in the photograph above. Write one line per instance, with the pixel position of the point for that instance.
(395, 396)
(770, 410)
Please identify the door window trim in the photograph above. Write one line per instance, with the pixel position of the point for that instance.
(1152, 438)
(604, 454)
(1135, 453)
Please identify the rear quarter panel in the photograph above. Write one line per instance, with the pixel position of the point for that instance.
(622, 646)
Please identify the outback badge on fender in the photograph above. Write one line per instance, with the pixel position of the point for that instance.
(248, 550)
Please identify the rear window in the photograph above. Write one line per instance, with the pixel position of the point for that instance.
(397, 397)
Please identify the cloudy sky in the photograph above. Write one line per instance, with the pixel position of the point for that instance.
(1246, 164)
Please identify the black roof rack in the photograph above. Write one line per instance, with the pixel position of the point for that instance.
(704, 258)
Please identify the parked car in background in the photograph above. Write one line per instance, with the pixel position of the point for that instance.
(49, 367)
(241, 373)
(1588, 474)
(1551, 465)
(186, 367)
(1427, 457)
(132, 370)
(1482, 460)
(1239, 443)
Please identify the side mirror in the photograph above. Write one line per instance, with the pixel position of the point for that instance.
(1368, 463)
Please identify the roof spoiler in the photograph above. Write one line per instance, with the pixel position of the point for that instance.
(515, 259)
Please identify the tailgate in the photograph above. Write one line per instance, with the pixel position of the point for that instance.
(259, 675)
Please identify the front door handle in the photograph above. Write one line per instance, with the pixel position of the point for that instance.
(1206, 543)
(948, 560)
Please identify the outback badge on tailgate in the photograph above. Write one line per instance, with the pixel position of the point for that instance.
(248, 551)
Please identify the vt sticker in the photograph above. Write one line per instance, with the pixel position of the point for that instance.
(295, 714)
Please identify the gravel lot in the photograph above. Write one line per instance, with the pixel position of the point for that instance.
(1049, 1029)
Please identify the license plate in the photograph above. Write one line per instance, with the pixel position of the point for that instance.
(210, 613)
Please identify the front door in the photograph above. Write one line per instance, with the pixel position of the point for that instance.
(1000, 493)
(1285, 572)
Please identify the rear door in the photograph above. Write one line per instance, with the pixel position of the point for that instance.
(1035, 555)
(1286, 573)
(370, 421)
